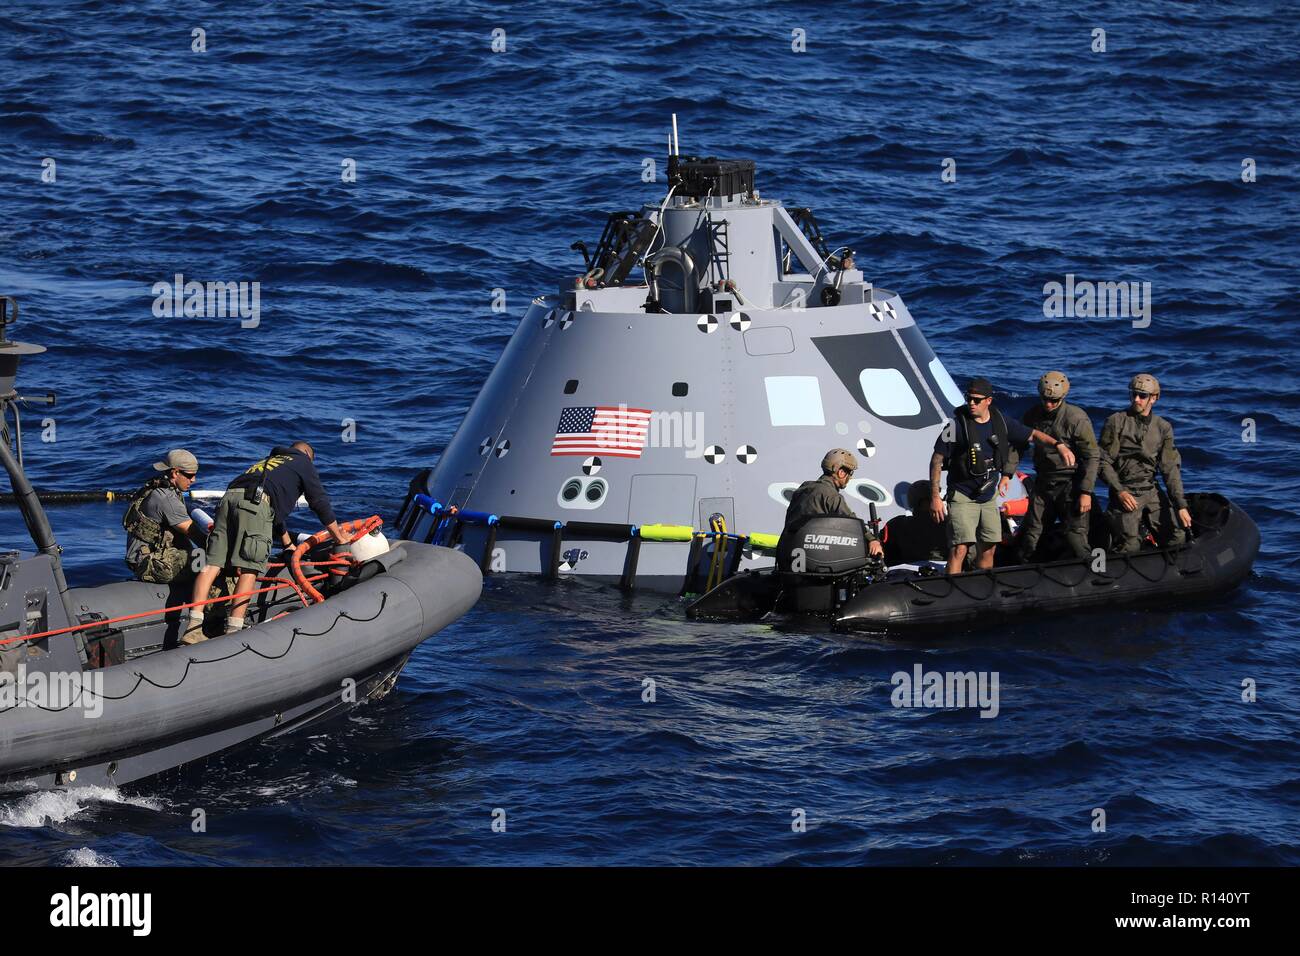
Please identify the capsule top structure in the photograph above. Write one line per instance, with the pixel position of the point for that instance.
(694, 374)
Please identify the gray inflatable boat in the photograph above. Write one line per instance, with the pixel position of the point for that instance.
(96, 690)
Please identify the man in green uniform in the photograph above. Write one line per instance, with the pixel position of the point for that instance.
(158, 526)
(1064, 473)
(822, 496)
(1134, 445)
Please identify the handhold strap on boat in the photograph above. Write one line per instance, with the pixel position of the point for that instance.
(718, 525)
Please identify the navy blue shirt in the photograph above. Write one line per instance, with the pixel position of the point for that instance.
(290, 473)
(980, 436)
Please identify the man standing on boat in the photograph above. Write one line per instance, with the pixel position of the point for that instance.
(157, 524)
(252, 513)
(980, 449)
(1134, 445)
(1064, 473)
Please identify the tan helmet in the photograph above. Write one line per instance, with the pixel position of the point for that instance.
(1144, 383)
(838, 458)
(1054, 385)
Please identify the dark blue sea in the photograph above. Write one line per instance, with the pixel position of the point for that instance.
(475, 171)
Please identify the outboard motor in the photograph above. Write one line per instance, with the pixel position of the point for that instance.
(829, 545)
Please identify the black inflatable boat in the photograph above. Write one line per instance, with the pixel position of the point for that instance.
(839, 583)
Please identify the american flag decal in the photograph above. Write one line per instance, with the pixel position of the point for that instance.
(610, 430)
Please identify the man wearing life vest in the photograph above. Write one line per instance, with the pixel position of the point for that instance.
(980, 449)
(251, 514)
(1135, 444)
(1064, 473)
(158, 526)
(822, 497)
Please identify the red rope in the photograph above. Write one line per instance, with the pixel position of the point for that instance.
(362, 526)
(352, 530)
(166, 610)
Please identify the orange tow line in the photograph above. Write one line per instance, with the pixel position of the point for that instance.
(352, 530)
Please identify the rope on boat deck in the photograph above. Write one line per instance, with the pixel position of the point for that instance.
(142, 679)
(166, 610)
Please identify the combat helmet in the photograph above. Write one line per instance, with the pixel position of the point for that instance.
(1053, 385)
(1142, 382)
(838, 458)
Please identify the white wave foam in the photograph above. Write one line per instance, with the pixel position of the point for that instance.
(87, 857)
(57, 806)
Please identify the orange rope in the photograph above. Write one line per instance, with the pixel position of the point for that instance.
(166, 610)
(352, 530)
(363, 527)
(302, 597)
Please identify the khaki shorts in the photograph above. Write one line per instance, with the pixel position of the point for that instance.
(970, 521)
(241, 534)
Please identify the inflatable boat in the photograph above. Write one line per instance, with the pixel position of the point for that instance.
(96, 689)
(840, 584)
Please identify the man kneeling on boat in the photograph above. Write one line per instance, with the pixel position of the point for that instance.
(822, 497)
(158, 528)
(253, 512)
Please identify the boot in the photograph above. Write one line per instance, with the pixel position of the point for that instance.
(194, 632)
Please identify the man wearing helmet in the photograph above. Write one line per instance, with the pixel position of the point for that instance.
(822, 496)
(1134, 445)
(1064, 473)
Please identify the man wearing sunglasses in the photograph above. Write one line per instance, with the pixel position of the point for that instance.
(157, 524)
(980, 451)
(1135, 444)
(822, 497)
(1064, 473)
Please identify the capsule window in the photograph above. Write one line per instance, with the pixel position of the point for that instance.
(595, 491)
(794, 400)
(570, 386)
(949, 388)
(680, 389)
(572, 488)
(782, 491)
(888, 393)
(867, 490)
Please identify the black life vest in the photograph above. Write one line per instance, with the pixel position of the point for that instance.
(959, 464)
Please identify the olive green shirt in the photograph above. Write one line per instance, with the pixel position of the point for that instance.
(1070, 424)
(819, 497)
(1133, 447)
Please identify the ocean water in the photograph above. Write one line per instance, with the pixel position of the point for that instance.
(475, 170)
